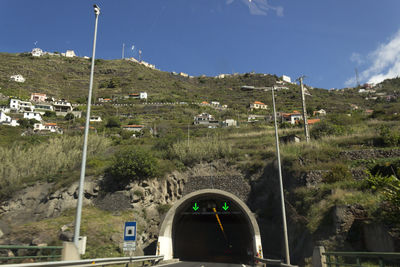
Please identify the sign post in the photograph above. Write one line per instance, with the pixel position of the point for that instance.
(129, 237)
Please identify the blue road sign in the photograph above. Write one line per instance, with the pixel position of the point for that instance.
(130, 231)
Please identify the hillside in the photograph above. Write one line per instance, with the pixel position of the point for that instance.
(344, 179)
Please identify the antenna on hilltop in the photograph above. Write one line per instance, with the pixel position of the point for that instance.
(35, 43)
(123, 50)
(357, 78)
(140, 55)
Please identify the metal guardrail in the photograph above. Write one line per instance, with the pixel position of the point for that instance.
(274, 262)
(40, 252)
(337, 259)
(88, 262)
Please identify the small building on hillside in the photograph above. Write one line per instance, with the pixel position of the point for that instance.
(62, 105)
(104, 100)
(204, 103)
(95, 119)
(292, 118)
(47, 127)
(205, 119)
(320, 112)
(70, 53)
(133, 128)
(17, 78)
(286, 79)
(291, 138)
(184, 74)
(19, 105)
(37, 52)
(258, 105)
(255, 118)
(38, 97)
(143, 95)
(32, 116)
(229, 123)
(4, 118)
(313, 121)
(215, 103)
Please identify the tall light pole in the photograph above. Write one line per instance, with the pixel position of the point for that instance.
(85, 140)
(278, 155)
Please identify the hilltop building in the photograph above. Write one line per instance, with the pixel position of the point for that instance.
(286, 79)
(205, 119)
(17, 78)
(70, 53)
(292, 118)
(37, 52)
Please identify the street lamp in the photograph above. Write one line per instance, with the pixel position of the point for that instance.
(85, 140)
(279, 168)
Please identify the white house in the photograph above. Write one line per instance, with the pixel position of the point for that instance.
(51, 127)
(14, 123)
(205, 118)
(143, 95)
(151, 66)
(62, 105)
(32, 116)
(215, 103)
(37, 52)
(38, 97)
(258, 105)
(95, 119)
(183, 74)
(286, 79)
(17, 78)
(4, 118)
(19, 105)
(70, 53)
(292, 118)
(320, 112)
(133, 128)
(229, 122)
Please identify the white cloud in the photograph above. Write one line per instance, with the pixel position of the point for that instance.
(260, 7)
(384, 62)
(356, 57)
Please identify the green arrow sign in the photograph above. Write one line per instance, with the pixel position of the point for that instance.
(195, 206)
(225, 207)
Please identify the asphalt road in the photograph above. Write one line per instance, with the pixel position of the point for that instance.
(202, 264)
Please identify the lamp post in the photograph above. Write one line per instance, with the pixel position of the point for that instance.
(85, 140)
(278, 155)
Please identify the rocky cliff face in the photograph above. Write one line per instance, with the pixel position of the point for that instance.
(153, 197)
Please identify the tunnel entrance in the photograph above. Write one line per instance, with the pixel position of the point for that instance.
(213, 229)
(210, 225)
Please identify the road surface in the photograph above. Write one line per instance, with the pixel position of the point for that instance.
(202, 264)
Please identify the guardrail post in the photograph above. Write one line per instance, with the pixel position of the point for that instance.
(318, 258)
(358, 262)
(381, 263)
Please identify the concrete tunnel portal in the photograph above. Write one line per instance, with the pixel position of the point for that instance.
(210, 225)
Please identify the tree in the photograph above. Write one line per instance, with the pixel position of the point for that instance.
(133, 164)
(69, 117)
(113, 122)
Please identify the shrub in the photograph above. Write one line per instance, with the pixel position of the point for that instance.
(389, 136)
(338, 173)
(133, 164)
(113, 122)
(69, 117)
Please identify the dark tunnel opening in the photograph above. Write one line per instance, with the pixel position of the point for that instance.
(212, 229)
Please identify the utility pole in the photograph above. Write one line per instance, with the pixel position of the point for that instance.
(123, 50)
(303, 101)
(357, 78)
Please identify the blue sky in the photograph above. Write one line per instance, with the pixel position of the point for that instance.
(322, 39)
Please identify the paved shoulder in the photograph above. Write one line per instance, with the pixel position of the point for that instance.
(201, 264)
